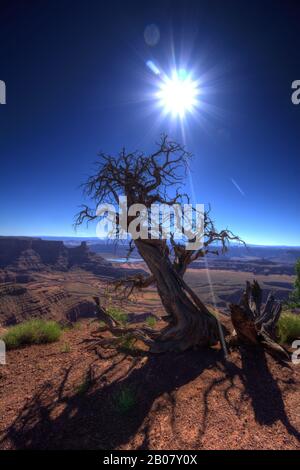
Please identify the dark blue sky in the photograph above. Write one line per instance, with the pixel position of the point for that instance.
(77, 83)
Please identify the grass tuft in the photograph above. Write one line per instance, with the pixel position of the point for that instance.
(288, 327)
(66, 348)
(118, 314)
(84, 386)
(125, 400)
(127, 341)
(32, 332)
(151, 322)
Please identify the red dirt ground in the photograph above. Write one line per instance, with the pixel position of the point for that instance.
(61, 396)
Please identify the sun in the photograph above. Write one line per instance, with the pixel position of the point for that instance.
(178, 95)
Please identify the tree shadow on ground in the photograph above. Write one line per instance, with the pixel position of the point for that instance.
(96, 419)
(263, 390)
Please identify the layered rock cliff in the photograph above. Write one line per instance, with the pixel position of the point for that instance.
(35, 254)
(41, 278)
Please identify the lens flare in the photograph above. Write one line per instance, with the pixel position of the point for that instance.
(179, 94)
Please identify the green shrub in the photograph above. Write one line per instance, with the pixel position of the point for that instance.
(125, 400)
(294, 300)
(151, 321)
(117, 314)
(32, 332)
(288, 327)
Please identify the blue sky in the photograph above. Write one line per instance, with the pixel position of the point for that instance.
(77, 83)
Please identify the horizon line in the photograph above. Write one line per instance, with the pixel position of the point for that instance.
(103, 239)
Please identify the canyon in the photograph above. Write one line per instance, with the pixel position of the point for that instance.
(45, 278)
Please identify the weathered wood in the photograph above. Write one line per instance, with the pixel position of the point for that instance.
(147, 179)
(256, 324)
(243, 324)
(191, 323)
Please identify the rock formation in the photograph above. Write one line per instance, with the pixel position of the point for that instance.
(42, 278)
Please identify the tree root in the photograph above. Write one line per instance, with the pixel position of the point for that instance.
(254, 325)
(176, 336)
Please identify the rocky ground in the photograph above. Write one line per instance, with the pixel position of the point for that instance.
(62, 396)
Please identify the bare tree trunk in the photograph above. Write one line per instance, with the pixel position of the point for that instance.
(256, 324)
(190, 323)
(146, 179)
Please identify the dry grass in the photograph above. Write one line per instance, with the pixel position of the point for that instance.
(32, 332)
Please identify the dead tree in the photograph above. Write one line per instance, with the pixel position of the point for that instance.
(256, 324)
(158, 179)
